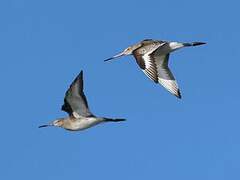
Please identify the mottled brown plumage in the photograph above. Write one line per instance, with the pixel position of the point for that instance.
(152, 57)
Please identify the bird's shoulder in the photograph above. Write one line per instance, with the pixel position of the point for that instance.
(147, 47)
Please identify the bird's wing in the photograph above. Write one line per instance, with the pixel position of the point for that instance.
(148, 66)
(145, 61)
(155, 66)
(75, 100)
(165, 76)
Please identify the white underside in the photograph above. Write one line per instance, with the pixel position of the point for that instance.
(83, 123)
(170, 85)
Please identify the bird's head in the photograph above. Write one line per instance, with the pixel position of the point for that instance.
(128, 51)
(57, 123)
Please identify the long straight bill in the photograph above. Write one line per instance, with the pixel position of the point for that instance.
(45, 125)
(116, 56)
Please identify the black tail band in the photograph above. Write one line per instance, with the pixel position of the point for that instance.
(114, 120)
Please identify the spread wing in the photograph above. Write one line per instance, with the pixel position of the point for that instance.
(145, 60)
(165, 76)
(75, 99)
(148, 66)
(155, 66)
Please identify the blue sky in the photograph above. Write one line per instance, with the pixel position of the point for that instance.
(44, 45)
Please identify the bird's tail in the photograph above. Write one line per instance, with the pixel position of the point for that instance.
(194, 44)
(113, 120)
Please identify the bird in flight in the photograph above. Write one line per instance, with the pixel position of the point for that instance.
(75, 104)
(152, 57)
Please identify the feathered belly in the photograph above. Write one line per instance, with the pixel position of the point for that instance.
(81, 124)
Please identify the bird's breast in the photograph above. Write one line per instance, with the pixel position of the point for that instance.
(82, 123)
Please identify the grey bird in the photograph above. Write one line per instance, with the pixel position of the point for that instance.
(75, 104)
(152, 57)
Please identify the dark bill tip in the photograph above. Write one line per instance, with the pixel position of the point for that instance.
(43, 126)
(108, 59)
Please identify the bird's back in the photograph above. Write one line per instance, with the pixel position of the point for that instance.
(147, 46)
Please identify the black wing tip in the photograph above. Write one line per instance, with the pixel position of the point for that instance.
(79, 77)
(80, 74)
(78, 80)
(178, 95)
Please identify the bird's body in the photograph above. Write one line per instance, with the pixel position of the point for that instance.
(80, 123)
(152, 57)
(75, 104)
